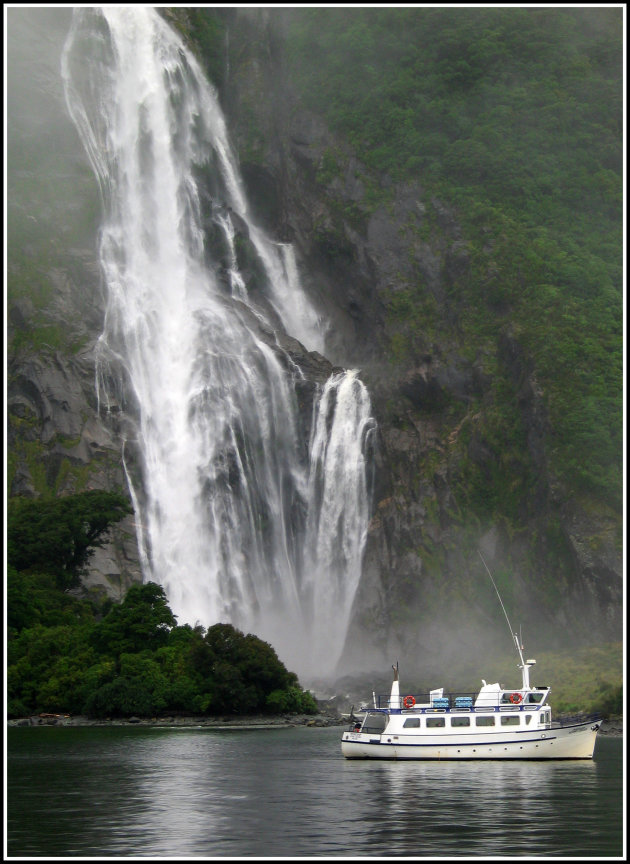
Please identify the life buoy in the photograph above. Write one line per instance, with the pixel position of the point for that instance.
(516, 698)
(409, 701)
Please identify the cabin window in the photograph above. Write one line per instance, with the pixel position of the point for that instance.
(484, 721)
(528, 719)
(534, 697)
(412, 723)
(460, 721)
(433, 722)
(510, 721)
(374, 723)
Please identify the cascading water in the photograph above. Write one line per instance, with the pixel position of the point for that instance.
(240, 519)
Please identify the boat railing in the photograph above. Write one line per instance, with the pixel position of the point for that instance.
(446, 700)
(458, 700)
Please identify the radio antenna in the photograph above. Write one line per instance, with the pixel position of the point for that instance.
(514, 636)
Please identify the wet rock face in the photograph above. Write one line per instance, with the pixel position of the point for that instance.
(57, 441)
(49, 390)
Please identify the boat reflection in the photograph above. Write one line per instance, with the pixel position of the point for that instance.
(477, 807)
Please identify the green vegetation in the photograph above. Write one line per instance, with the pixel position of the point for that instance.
(209, 34)
(514, 118)
(81, 656)
(588, 679)
(58, 535)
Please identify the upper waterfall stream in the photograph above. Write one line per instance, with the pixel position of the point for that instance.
(242, 516)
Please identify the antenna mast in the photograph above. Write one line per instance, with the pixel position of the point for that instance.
(514, 636)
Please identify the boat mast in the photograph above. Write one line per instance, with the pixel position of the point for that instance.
(523, 665)
(394, 697)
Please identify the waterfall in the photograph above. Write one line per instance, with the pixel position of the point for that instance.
(240, 518)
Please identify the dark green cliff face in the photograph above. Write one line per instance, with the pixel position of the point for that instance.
(452, 182)
(452, 190)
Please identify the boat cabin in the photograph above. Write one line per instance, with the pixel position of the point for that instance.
(492, 707)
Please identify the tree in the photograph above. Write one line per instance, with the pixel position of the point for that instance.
(23, 610)
(241, 672)
(142, 621)
(59, 535)
(121, 697)
(291, 701)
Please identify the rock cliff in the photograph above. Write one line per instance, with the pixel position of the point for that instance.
(557, 557)
(362, 260)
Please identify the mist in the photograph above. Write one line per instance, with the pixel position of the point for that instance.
(50, 192)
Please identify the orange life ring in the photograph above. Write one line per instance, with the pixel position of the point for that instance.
(409, 701)
(516, 698)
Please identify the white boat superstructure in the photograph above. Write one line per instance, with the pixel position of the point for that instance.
(494, 723)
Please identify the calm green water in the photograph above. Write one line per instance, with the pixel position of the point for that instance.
(178, 793)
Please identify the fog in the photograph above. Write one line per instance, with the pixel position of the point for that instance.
(50, 192)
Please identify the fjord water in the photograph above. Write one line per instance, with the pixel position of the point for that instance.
(240, 516)
(169, 793)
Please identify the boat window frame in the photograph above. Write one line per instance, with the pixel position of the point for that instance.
(460, 722)
(531, 700)
(486, 717)
(375, 727)
(433, 722)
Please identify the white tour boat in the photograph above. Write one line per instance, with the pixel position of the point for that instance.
(494, 723)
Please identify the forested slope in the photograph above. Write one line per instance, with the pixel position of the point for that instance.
(453, 181)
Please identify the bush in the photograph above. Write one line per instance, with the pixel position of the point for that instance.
(611, 704)
(122, 697)
(291, 701)
(16, 708)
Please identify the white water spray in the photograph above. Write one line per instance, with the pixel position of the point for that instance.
(241, 520)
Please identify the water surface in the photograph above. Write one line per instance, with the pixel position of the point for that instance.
(100, 792)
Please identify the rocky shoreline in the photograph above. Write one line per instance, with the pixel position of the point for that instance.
(613, 726)
(226, 722)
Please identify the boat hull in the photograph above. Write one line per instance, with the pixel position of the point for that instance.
(568, 742)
